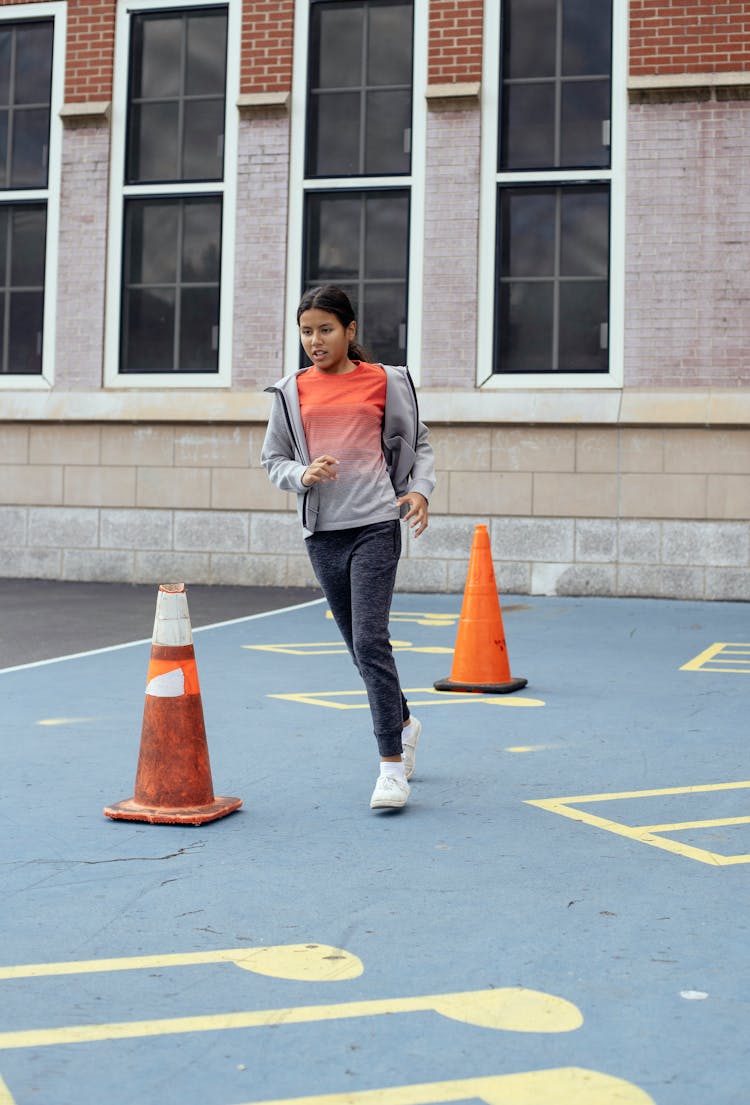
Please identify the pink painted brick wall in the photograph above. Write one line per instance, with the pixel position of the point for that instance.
(688, 226)
(261, 239)
(451, 243)
(82, 257)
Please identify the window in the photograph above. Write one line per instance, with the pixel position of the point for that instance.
(171, 213)
(555, 192)
(358, 182)
(26, 94)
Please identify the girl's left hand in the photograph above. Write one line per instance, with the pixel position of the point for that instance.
(418, 511)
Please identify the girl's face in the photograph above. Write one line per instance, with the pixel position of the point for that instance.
(325, 340)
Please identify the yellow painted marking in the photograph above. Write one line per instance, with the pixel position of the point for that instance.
(437, 620)
(338, 648)
(527, 748)
(650, 834)
(560, 1086)
(433, 698)
(513, 1009)
(303, 962)
(61, 721)
(6, 1097)
(722, 654)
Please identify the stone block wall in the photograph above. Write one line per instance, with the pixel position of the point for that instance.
(571, 510)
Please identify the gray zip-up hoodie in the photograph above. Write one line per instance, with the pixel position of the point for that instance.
(408, 455)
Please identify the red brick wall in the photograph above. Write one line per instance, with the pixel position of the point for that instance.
(267, 34)
(91, 46)
(455, 53)
(689, 36)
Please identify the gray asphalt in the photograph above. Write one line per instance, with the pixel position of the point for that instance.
(42, 619)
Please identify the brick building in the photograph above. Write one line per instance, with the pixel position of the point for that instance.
(542, 205)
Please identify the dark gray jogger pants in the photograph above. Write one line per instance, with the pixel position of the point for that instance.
(356, 569)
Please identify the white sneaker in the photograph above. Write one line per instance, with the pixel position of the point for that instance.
(390, 793)
(410, 746)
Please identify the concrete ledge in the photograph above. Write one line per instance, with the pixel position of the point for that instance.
(255, 103)
(451, 97)
(629, 407)
(92, 110)
(688, 87)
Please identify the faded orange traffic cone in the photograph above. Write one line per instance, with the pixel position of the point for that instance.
(173, 782)
(480, 660)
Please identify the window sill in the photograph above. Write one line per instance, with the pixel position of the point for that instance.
(717, 407)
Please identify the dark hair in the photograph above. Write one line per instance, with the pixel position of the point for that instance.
(334, 300)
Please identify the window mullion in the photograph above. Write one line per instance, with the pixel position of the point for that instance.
(7, 277)
(363, 89)
(176, 348)
(556, 285)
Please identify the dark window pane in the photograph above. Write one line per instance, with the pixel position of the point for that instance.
(6, 37)
(4, 149)
(527, 231)
(153, 145)
(526, 327)
(528, 127)
(199, 330)
(3, 297)
(206, 54)
(529, 38)
(25, 332)
(30, 145)
(201, 241)
(148, 330)
(386, 235)
(390, 44)
(334, 134)
(584, 232)
(585, 110)
(388, 132)
(5, 213)
(336, 45)
(383, 321)
(151, 234)
(29, 237)
(583, 319)
(586, 37)
(33, 63)
(157, 54)
(333, 237)
(203, 156)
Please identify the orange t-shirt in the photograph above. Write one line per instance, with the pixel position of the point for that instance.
(342, 415)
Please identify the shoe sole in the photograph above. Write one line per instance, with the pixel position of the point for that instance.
(388, 805)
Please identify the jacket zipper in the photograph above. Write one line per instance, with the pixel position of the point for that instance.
(295, 443)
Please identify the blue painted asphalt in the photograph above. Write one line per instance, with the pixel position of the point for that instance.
(470, 888)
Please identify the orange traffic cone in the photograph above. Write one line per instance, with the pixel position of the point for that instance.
(480, 660)
(173, 783)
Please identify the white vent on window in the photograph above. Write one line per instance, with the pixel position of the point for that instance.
(604, 335)
(606, 132)
(214, 338)
(407, 140)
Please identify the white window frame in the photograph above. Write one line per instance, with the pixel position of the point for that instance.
(491, 178)
(28, 13)
(119, 192)
(414, 182)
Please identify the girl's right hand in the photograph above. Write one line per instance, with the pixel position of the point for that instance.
(322, 468)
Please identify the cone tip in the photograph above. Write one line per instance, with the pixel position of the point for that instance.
(172, 588)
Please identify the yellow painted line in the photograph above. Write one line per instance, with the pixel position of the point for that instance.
(302, 962)
(436, 698)
(648, 834)
(560, 1086)
(712, 655)
(717, 822)
(435, 620)
(338, 648)
(6, 1097)
(514, 1009)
